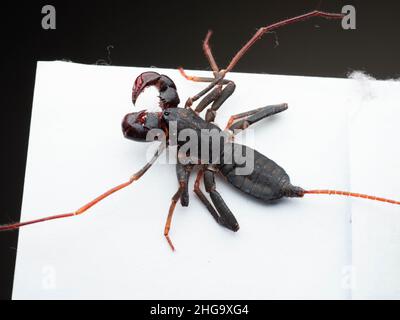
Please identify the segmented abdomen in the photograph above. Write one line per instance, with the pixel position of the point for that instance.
(268, 181)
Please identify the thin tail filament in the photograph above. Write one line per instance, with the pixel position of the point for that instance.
(351, 194)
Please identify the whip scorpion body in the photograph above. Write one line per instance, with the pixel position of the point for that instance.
(267, 181)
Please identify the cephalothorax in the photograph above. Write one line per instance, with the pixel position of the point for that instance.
(266, 181)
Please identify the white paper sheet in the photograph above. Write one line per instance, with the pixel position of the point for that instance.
(298, 248)
(375, 169)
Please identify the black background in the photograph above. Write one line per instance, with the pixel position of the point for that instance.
(169, 34)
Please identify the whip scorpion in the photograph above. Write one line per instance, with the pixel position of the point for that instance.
(267, 181)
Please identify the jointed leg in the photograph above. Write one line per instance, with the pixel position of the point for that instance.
(225, 94)
(211, 60)
(183, 173)
(209, 98)
(260, 32)
(218, 79)
(204, 199)
(209, 55)
(227, 219)
(222, 215)
(199, 79)
(90, 204)
(217, 96)
(167, 227)
(250, 117)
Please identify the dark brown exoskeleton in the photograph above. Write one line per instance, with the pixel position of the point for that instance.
(267, 181)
